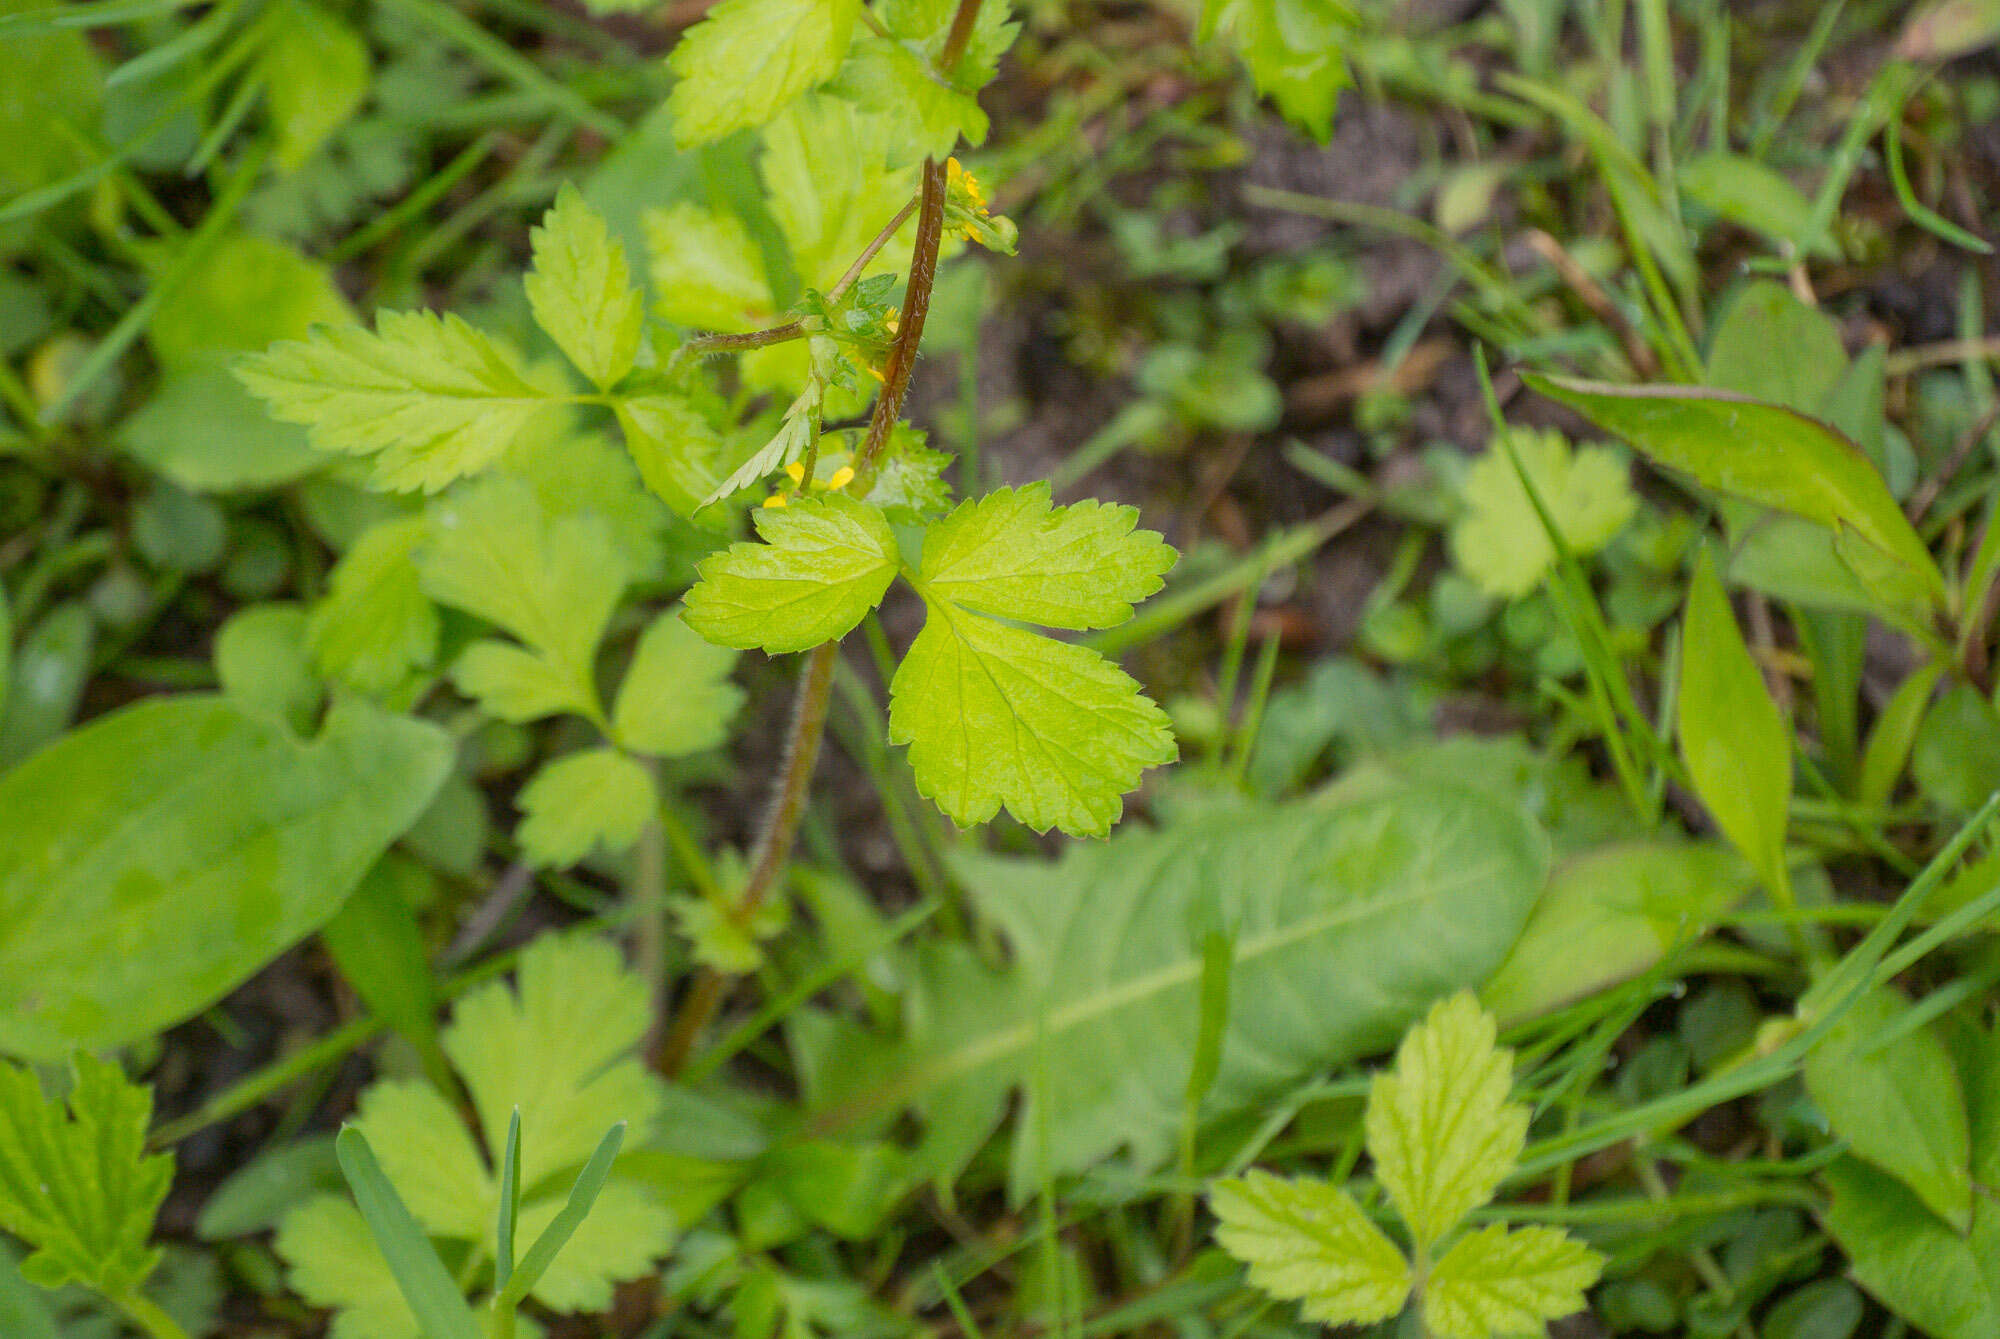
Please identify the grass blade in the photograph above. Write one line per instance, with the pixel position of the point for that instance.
(589, 1182)
(420, 1275)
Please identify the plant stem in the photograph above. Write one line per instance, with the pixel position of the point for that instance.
(144, 1313)
(648, 895)
(955, 41)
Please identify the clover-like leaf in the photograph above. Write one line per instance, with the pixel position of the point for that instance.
(429, 398)
(1502, 1280)
(1440, 1127)
(824, 562)
(676, 698)
(583, 800)
(1500, 541)
(1309, 1242)
(581, 290)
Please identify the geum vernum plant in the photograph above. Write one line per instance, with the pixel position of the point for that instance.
(852, 116)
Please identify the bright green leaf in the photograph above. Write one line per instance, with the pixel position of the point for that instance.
(796, 432)
(1440, 1127)
(375, 627)
(1745, 192)
(595, 798)
(1736, 743)
(78, 1187)
(1758, 452)
(581, 290)
(1944, 1282)
(315, 71)
(1500, 541)
(265, 668)
(1294, 50)
(182, 821)
(429, 1155)
(335, 1263)
(1308, 1241)
(997, 716)
(1502, 1280)
(244, 292)
(889, 79)
(675, 449)
(625, 1232)
(1773, 347)
(516, 684)
(825, 168)
(822, 564)
(1012, 555)
(706, 271)
(748, 58)
(676, 698)
(718, 939)
(429, 398)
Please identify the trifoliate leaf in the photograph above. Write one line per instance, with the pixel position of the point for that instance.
(749, 58)
(1309, 1242)
(676, 697)
(430, 398)
(824, 562)
(1013, 555)
(675, 448)
(1507, 1281)
(598, 797)
(717, 939)
(1440, 1127)
(1500, 541)
(491, 550)
(516, 684)
(429, 1156)
(706, 271)
(77, 1186)
(335, 1263)
(994, 715)
(625, 1232)
(375, 625)
(1293, 50)
(581, 290)
(558, 1045)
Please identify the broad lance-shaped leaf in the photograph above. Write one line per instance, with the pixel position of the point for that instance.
(748, 58)
(1736, 744)
(430, 398)
(1370, 909)
(78, 1187)
(994, 715)
(1762, 453)
(1012, 554)
(1307, 1241)
(581, 290)
(1440, 1127)
(824, 563)
(182, 821)
(1507, 1281)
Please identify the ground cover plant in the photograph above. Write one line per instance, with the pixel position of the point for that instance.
(948, 667)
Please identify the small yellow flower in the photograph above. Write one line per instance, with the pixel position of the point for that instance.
(776, 500)
(840, 478)
(959, 181)
(797, 471)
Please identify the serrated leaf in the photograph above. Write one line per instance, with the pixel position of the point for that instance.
(598, 797)
(1735, 741)
(428, 1154)
(1500, 541)
(1309, 1242)
(923, 25)
(831, 190)
(890, 79)
(674, 448)
(795, 433)
(427, 397)
(492, 550)
(624, 1234)
(1293, 50)
(676, 698)
(333, 1262)
(1440, 1127)
(516, 684)
(823, 563)
(375, 627)
(581, 292)
(997, 716)
(748, 58)
(1364, 907)
(1507, 1281)
(1013, 555)
(77, 1185)
(706, 271)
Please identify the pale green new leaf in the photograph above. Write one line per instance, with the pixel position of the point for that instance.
(826, 170)
(1507, 1281)
(1013, 555)
(492, 550)
(1440, 1127)
(674, 448)
(375, 627)
(516, 684)
(429, 1155)
(315, 72)
(335, 1263)
(428, 397)
(796, 432)
(581, 290)
(823, 563)
(676, 697)
(706, 271)
(598, 797)
(1309, 1242)
(558, 1045)
(888, 78)
(78, 1186)
(1500, 540)
(1735, 741)
(625, 1232)
(748, 58)
(994, 715)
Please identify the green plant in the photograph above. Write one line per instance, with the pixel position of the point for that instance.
(1443, 1136)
